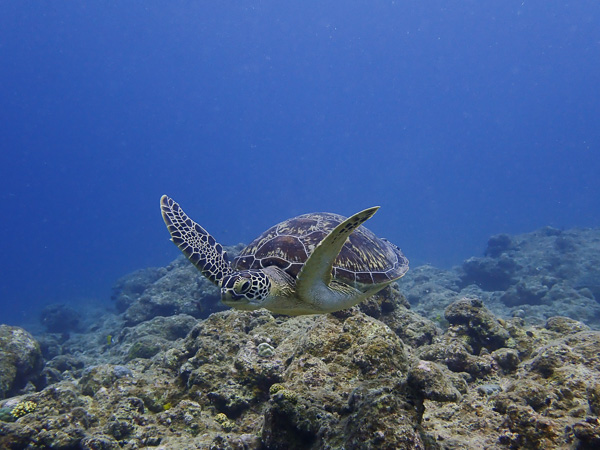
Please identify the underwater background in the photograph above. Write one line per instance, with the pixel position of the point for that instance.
(461, 119)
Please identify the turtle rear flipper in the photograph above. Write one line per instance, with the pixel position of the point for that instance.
(195, 242)
(314, 282)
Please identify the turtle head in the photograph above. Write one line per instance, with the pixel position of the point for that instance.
(246, 289)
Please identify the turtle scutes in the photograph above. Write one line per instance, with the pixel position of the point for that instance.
(314, 263)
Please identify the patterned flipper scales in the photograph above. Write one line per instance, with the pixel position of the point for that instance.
(195, 242)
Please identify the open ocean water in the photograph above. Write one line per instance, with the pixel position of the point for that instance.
(461, 119)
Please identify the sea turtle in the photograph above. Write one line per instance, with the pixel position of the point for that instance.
(313, 263)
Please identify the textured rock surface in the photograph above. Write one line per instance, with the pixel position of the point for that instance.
(178, 288)
(181, 290)
(379, 375)
(20, 359)
(336, 380)
(534, 275)
(343, 380)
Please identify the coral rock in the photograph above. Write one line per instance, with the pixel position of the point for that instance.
(20, 359)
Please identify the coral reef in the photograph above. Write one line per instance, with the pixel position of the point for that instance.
(177, 289)
(473, 373)
(343, 380)
(531, 275)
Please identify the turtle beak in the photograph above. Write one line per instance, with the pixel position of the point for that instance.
(228, 296)
(233, 300)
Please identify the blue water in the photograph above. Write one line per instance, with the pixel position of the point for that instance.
(461, 119)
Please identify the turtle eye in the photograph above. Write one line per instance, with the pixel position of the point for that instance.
(242, 286)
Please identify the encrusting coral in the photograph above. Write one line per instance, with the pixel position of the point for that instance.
(23, 408)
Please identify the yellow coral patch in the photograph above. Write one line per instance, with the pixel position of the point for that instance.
(23, 408)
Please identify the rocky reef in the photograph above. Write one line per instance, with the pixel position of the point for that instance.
(20, 359)
(457, 366)
(531, 275)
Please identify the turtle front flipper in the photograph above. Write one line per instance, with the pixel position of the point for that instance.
(314, 284)
(195, 242)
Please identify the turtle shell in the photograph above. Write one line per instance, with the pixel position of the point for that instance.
(364, 259)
